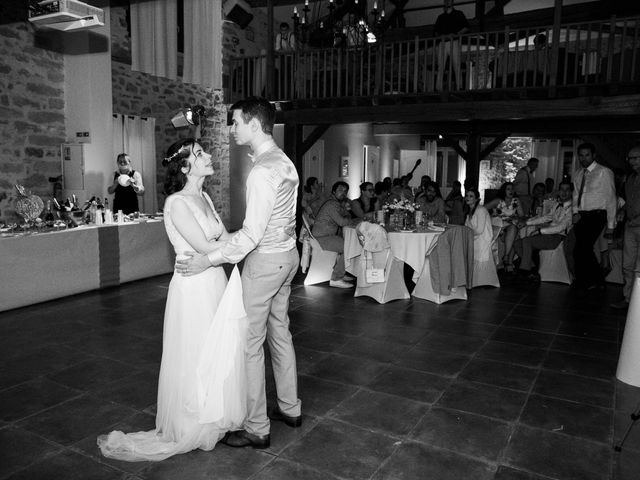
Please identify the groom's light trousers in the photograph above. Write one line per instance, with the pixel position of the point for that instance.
(266, 283)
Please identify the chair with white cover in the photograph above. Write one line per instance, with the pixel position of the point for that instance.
(380, 257)
(446, 271)
(484, 241)
(553, 266)
(615, 261)
(496, 248)
(322, 261)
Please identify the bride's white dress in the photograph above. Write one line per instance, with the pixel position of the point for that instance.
(201, 390)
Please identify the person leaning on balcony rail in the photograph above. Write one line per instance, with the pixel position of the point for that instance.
(285, 39)
(450, 22)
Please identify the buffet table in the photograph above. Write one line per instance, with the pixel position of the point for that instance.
(39, 267)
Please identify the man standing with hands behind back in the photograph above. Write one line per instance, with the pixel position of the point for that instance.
(267, 240)
(523, 183)
(594, 208)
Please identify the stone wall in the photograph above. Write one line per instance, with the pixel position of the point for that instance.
(136, 93)
(31, 115)
(32, 108)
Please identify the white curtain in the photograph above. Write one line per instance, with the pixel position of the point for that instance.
(203, 43)
(135, 136)
(548, 152)
(431, 147)
(154, 37)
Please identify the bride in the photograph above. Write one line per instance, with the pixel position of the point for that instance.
(201, 390)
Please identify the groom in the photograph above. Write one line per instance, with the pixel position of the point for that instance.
(267, 240)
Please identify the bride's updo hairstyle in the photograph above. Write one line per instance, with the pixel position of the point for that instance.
(176, 159)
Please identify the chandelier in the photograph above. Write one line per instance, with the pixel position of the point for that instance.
(339, 23)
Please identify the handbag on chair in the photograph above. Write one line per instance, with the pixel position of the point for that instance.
(372, 274)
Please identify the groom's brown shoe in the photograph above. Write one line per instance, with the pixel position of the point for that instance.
(242, 438)
(277, 415)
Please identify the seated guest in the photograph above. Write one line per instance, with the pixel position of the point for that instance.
(327, 229)
(407, 191)
(364, 207)
(537, 204)
(551, 230)
(422, 189)
(401, 187)
(479, 220)
(454, 204)
(507, 210)
(312, 197)
(550, 192)
(432, 205)
(384, 196)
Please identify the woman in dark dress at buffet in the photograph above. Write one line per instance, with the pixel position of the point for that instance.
(127, 185)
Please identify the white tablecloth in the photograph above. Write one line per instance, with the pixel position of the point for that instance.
(40, 267)
(412, 248)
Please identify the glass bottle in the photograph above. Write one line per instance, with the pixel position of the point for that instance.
(49, 218)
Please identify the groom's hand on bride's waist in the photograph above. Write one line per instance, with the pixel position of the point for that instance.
(194, 264)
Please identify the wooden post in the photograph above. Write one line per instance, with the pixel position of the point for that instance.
(293, 146)
(480, 7)
(293, 149)
(271, 70)
(473, 158)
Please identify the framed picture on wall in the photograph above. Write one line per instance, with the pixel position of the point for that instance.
(344, 166)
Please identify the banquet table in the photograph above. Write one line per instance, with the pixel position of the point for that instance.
(44, 266)
(414, 249)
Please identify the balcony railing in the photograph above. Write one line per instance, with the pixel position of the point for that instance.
(604, 52)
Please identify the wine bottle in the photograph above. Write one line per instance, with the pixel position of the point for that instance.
(49, 219)
(108, 214)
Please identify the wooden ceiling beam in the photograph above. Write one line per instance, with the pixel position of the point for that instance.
(547, 128)
(494, 143)
(312, 138)
(568, 109)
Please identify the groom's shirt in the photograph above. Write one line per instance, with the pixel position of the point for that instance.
(270, 222)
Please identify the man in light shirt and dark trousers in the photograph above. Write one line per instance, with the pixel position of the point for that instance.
(267, 240)
(594, 207)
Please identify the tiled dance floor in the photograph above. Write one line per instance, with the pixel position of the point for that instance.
(516, 383)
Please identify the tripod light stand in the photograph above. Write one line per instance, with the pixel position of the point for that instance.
(634, 417)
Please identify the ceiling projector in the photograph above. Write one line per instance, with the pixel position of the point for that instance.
(65, 15)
